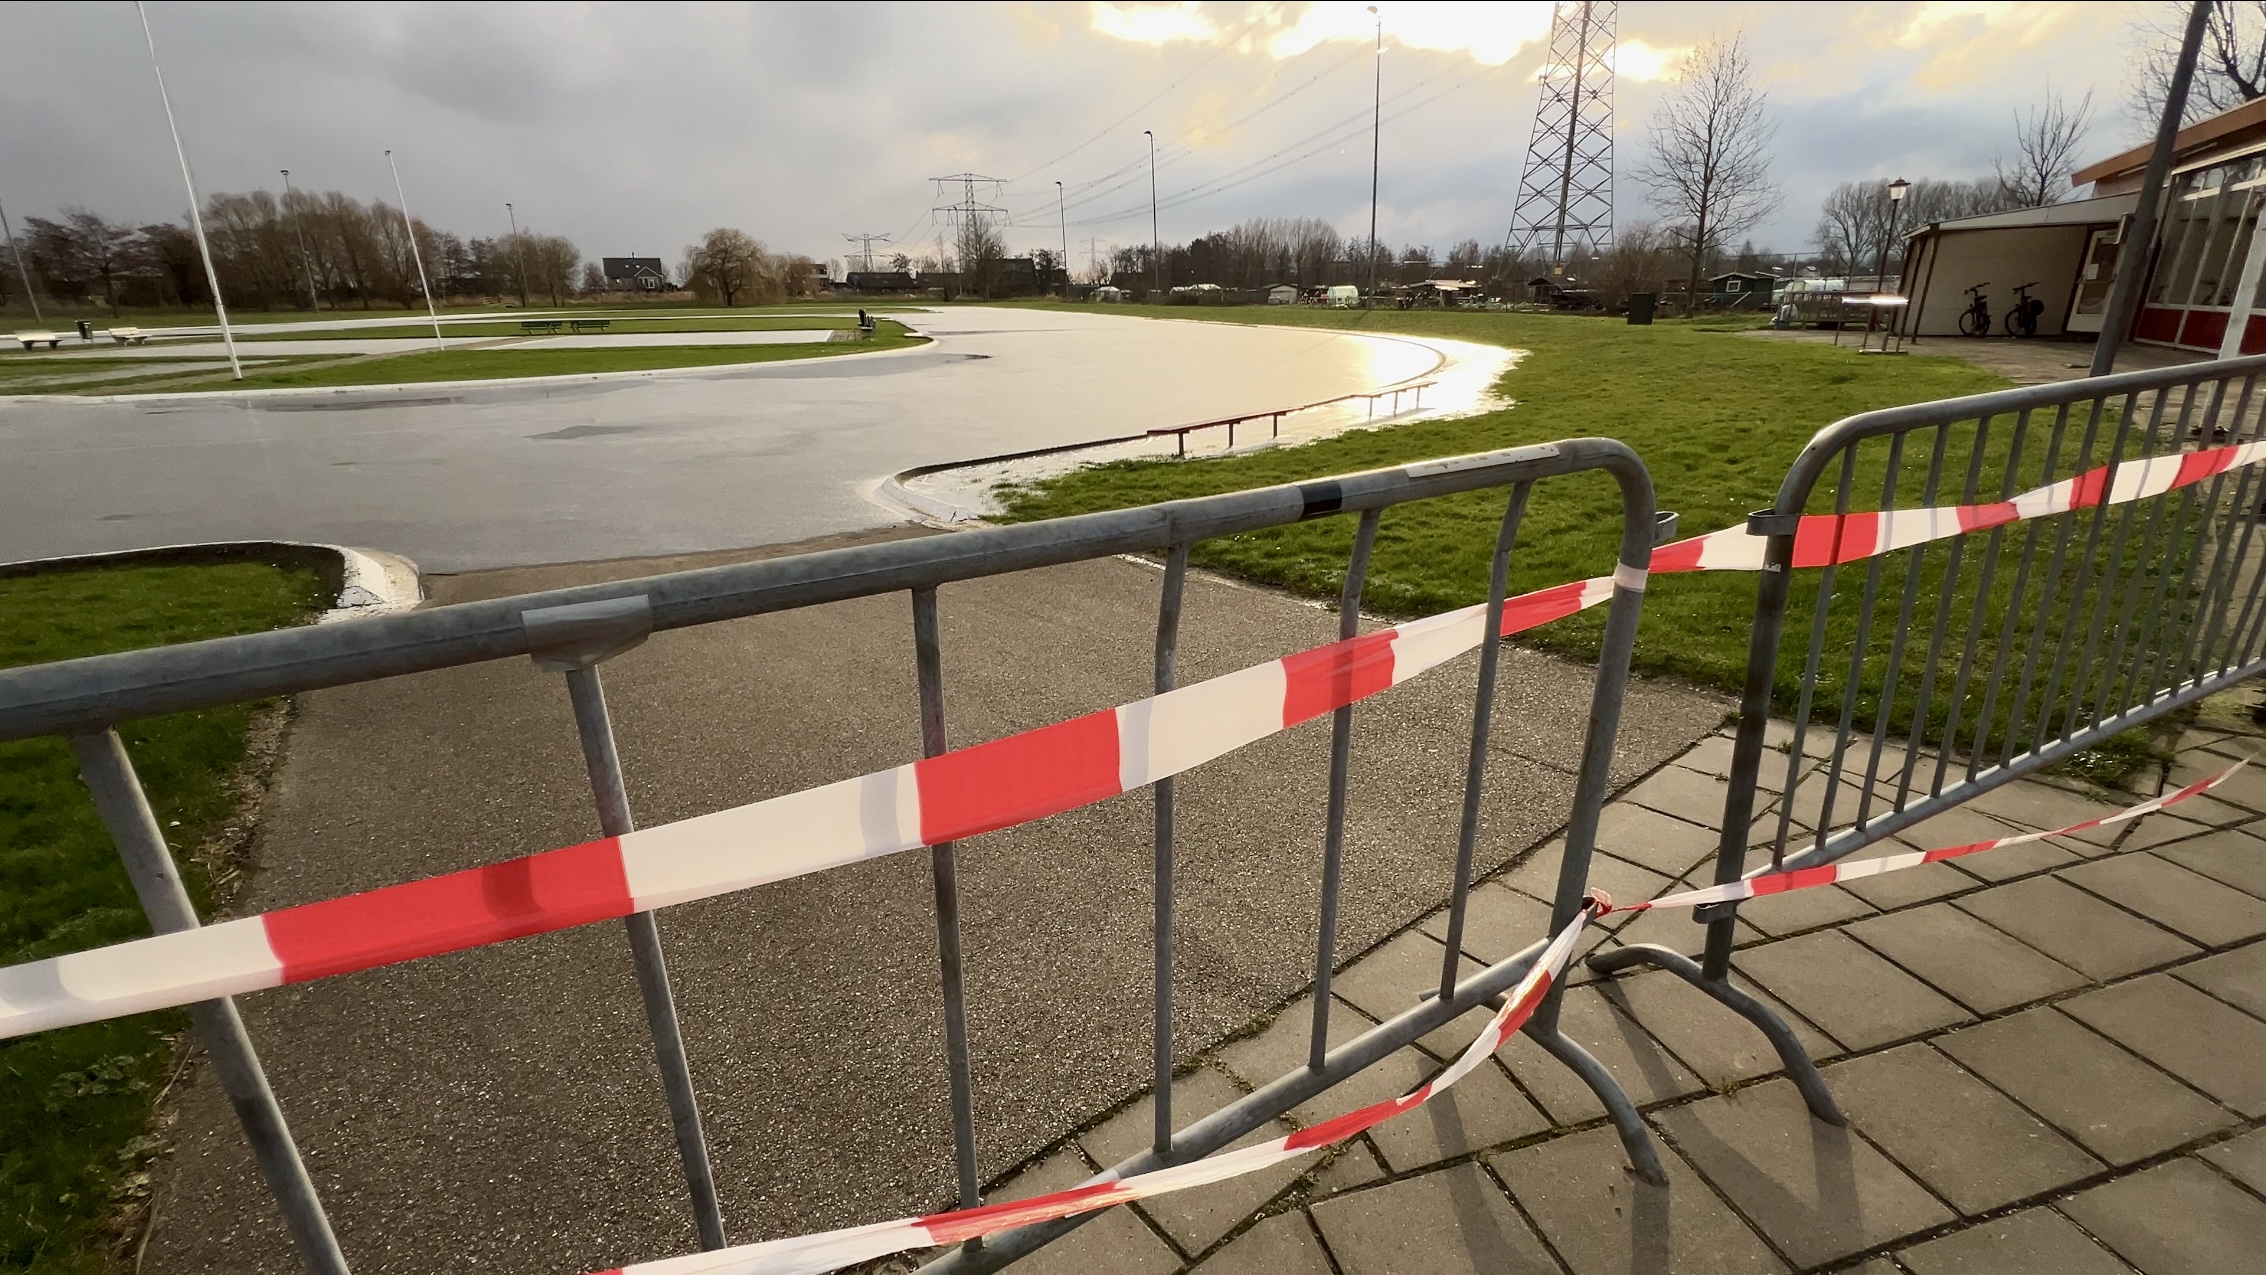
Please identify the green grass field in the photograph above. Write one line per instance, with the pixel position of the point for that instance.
(703, 322)
(75, 1103)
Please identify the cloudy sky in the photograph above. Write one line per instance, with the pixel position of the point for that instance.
(633, 128)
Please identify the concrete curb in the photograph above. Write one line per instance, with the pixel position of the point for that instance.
(428, 388)
(371, 581)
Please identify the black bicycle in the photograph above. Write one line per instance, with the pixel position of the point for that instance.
(2022, 320)
(1976, 320)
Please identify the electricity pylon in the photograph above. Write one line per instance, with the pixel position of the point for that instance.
(1566, 192)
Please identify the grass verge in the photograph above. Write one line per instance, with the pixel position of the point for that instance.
(1716, 417)
(511, 327)
(75, 1104)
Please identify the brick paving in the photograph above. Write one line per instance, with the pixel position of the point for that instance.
(2052, 1058)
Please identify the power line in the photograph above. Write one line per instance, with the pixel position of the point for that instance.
(865, 244)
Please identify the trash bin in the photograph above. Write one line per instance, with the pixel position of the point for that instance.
(86, 330)
(1640, 306)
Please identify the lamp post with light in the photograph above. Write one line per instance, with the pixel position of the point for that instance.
(1376, 126)
(1156, 241)
(1062, 219)
(1896, 191)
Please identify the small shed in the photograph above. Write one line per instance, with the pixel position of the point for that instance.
(1282, 294)
(1746, 288)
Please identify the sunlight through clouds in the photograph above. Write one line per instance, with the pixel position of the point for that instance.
(1636, 60)
(1154, 23)
(1491, 34)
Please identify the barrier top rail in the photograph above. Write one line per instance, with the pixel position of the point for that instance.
(1393, 390)
(74, 696)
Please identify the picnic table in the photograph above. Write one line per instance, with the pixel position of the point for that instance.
(591, 325)
(54, 340)
(539, 325)
(129, 336)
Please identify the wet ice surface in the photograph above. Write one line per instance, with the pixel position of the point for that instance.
(462, 477)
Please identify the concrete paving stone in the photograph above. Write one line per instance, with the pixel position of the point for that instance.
(1280, 1245)
(1718, 1044)
(1483, 1110)
(1114, 1243)
(2161, 828)
(1808, 801)
(2032, 1242)
(2229, 858)
(1453, 1222)
(1354, 1165)
(1393, 979)
(1660, 842)
(1712, 756)
(1604, 1220)
(2245, 788)
(1964, 825)
(2242, 1158)
(2178, 1218)
(1497, 922)
(1791, 913)
(2237, 977)
(2168, 894)
(1674, 929)
(1963, 1139)
(1972, 963)
(2036, 806)
(1537, 878)
(2094, 938)
(2206, 1043)
(2114, 1105)
(1845, 988)
(1817, 1192)
(1646, 1072)
(1924, 884)
(2209, 810)
(1194, 1219)
(1685, 794)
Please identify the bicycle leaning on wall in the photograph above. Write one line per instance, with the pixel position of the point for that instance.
(1976, 319)
(2022, 320)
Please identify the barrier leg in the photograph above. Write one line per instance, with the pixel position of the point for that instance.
(573, 640)
(1799, 1068)
(125, 811)
(1161, 933)
(1635, 1141)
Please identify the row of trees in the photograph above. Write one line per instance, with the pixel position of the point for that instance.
(302, 251)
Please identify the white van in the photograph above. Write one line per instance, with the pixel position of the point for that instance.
(1343, 296)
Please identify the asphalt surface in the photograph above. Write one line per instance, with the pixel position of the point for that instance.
(498, 1110)
(461, 478)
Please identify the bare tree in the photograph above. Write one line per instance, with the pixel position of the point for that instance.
(980, 249)
(2046, 139)
(1639, 259)
(1852, 224)
(2230, 71)
(1709, 171)
(725, 264)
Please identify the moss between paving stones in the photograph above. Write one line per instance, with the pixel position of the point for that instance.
(75, 1104)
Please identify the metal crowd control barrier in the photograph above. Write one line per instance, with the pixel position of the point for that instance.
(571, 631)
(2009, 649)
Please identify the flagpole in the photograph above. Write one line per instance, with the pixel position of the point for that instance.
(196, 214)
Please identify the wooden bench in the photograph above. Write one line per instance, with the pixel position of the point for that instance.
(539, 325)
(591, 325)
(129, 336)
(30, 339)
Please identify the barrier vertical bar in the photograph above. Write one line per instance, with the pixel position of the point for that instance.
(2136, 585)
(944, 867)
(2062, 534)
(1341, 761)
(1874, 564)
(1917, 735)
(603, 761)
(1931, 666)
(1482, 722)
(2240, 509)
(126, 814)
(1795, 752)
(1980, 608)
(2090, 553)
(2015, 608)
(1168, 651)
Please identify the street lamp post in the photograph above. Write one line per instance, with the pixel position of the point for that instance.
(30, 294)
(519, 250)
(299, 228)
(196, 214)
(410, 228)
(1062, 218)
(1156, 241)
(1896, 192)
(1376, 139)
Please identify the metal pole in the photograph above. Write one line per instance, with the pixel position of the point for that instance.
(1062, 218)
(1376, 134)
(1573, 131)
(30, 293)
(2140, 236)
(604, 763)
(1156, 240)
(519, 250)
(410, 227)
(299, 228)
(125, 812)
(196, 215)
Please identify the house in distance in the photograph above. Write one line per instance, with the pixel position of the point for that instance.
(636, 274)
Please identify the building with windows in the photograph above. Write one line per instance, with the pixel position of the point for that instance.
(636, 274)
(2201, 291)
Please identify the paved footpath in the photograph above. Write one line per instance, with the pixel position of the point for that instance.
(2052, 1057)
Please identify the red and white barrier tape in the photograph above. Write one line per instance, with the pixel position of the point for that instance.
(826, 1251)
(972, 790)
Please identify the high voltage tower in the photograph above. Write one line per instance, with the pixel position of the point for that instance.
(1566, 193)
(865, 248)
(969, 207)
